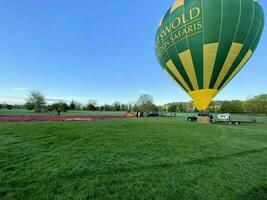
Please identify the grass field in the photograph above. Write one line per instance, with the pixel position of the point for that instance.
(260, 118)
(161, 158)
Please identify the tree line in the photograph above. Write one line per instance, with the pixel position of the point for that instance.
(145, 103)
(36, 102)
(10, 107)
(254, 105)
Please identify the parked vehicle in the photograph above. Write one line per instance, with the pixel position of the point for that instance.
(226, 117)
(153, 114)
(192, 118)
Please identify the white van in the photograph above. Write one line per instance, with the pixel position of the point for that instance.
(226, 117)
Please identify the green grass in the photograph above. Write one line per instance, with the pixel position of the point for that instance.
(69, 113)
(132, 159)
(260, 118)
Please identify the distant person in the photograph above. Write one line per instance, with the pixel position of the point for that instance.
(211, 118)
(58, 112)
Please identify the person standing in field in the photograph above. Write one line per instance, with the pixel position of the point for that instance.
(58, 111)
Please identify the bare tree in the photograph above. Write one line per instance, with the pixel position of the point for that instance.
(146, 103)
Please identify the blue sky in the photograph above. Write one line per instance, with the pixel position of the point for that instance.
(101, 50)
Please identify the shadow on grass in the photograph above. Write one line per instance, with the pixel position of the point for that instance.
(256, 193)
(200, 161)
(2, 194)
(195, 161)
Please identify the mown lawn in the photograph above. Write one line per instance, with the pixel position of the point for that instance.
(132, 159)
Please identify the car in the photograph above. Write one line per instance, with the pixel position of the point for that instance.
(192, 118)
(153, 114)
(226, 117)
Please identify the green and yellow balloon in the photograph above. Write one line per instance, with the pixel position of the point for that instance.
(203, 44)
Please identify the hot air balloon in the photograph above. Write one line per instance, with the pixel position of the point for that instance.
(203, 44)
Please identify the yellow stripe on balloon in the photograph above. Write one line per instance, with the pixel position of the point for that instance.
(232, 55)
(177, 74)
(186, 59)
(210, 53)
(177, 4)
(239, 67)
(160, 22)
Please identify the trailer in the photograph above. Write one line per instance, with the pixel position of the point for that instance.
(226, 119)
(230, 122)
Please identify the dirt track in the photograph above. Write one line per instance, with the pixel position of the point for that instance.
(12, 118)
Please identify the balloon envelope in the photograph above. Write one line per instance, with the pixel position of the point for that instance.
(203, 44)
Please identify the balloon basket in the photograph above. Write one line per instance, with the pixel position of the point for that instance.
(203, 120)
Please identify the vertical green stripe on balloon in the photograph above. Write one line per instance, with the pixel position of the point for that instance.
(181, 45)
(177, 62)
(248, 54)
(254, 34)
(177, 74)
(231, 57)
(231, 10)
(165, 20)
(195, 41)
(187, 61)
(172, 51)
(164, 59)
(256, 24)
(211, 20)
(164, 23)
(246, 18)
(256, 41)
(238, 68)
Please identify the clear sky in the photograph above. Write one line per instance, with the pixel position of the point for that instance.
(103, 50)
